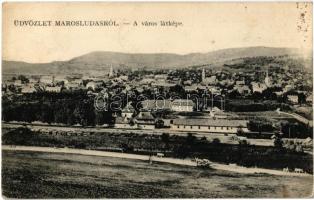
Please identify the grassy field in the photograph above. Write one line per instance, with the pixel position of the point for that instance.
(47, 175)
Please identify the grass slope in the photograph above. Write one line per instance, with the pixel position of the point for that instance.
(46, 175)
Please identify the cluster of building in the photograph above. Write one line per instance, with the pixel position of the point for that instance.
(215, 122)
(218, 83)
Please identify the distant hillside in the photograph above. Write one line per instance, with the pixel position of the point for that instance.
(100, 61)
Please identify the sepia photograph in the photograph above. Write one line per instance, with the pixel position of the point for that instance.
(157, 100)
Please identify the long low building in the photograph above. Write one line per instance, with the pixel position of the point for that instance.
(209, 125)
(178, 105)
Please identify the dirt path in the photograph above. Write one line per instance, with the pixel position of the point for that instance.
(187, 162)
(299, 118)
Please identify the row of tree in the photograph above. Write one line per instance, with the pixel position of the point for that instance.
(64, 109)
(244, 154)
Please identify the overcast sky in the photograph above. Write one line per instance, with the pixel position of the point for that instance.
(206, 27)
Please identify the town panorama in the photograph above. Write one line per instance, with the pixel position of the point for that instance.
(151, 100)
(251, 114)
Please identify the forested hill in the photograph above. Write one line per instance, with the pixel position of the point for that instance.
(101, 61)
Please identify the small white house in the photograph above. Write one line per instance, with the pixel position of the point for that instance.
(128, 111)
(28, 89)
(94, 84)
(182, 105)
(145, 120)
(72, 86)
(293, 98)
(55, 89)
(124, 123)
(210, 80)
(258, 87)
(242, 89)
(47, 79)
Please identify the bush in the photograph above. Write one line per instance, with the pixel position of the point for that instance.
(203, 138)
(278, 143)
(127, 148)
(216, 141)
(19, 136)
(165, 137)
(243, 142)
(190, 139)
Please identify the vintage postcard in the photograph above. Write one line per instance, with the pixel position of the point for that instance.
(157, 100)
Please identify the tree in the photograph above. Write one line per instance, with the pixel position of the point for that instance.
(299, 148)
(301, 98)
(240, 130)
(177, 90)
(19, 136)
(182, 151)
(234, 94)
(23, 79)
(216, 141)
(132, 122)
(243, 142)
(190, 139)
(126, 147)
(278, 142)
(269, 94)
(165, 137)
(12, 88)
(159, 123)
(256, 96)
(260, 125)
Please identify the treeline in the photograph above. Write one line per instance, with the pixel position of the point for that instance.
(251, 106)
(277, 61)
(296, 130)
(65, 108)
(174, 146)
(259, 125)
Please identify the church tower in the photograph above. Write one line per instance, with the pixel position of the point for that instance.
(203, 75)
(111, 71)
(267, 82)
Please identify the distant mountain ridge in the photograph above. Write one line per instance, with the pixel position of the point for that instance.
(100, 61)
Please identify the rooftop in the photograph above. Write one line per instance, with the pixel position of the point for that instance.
(183, 102)
(211, 122)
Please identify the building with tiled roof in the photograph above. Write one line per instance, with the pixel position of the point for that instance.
(154, 105)
(182, 105)
(209, 125)
(145, 120)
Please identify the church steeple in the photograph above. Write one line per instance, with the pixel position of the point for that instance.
(203, 75)
(111, 71)
(267, 79)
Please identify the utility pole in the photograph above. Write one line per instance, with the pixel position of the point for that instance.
(222, 102)
(212, 101)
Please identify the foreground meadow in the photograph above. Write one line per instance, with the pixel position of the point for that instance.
(52, 175)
